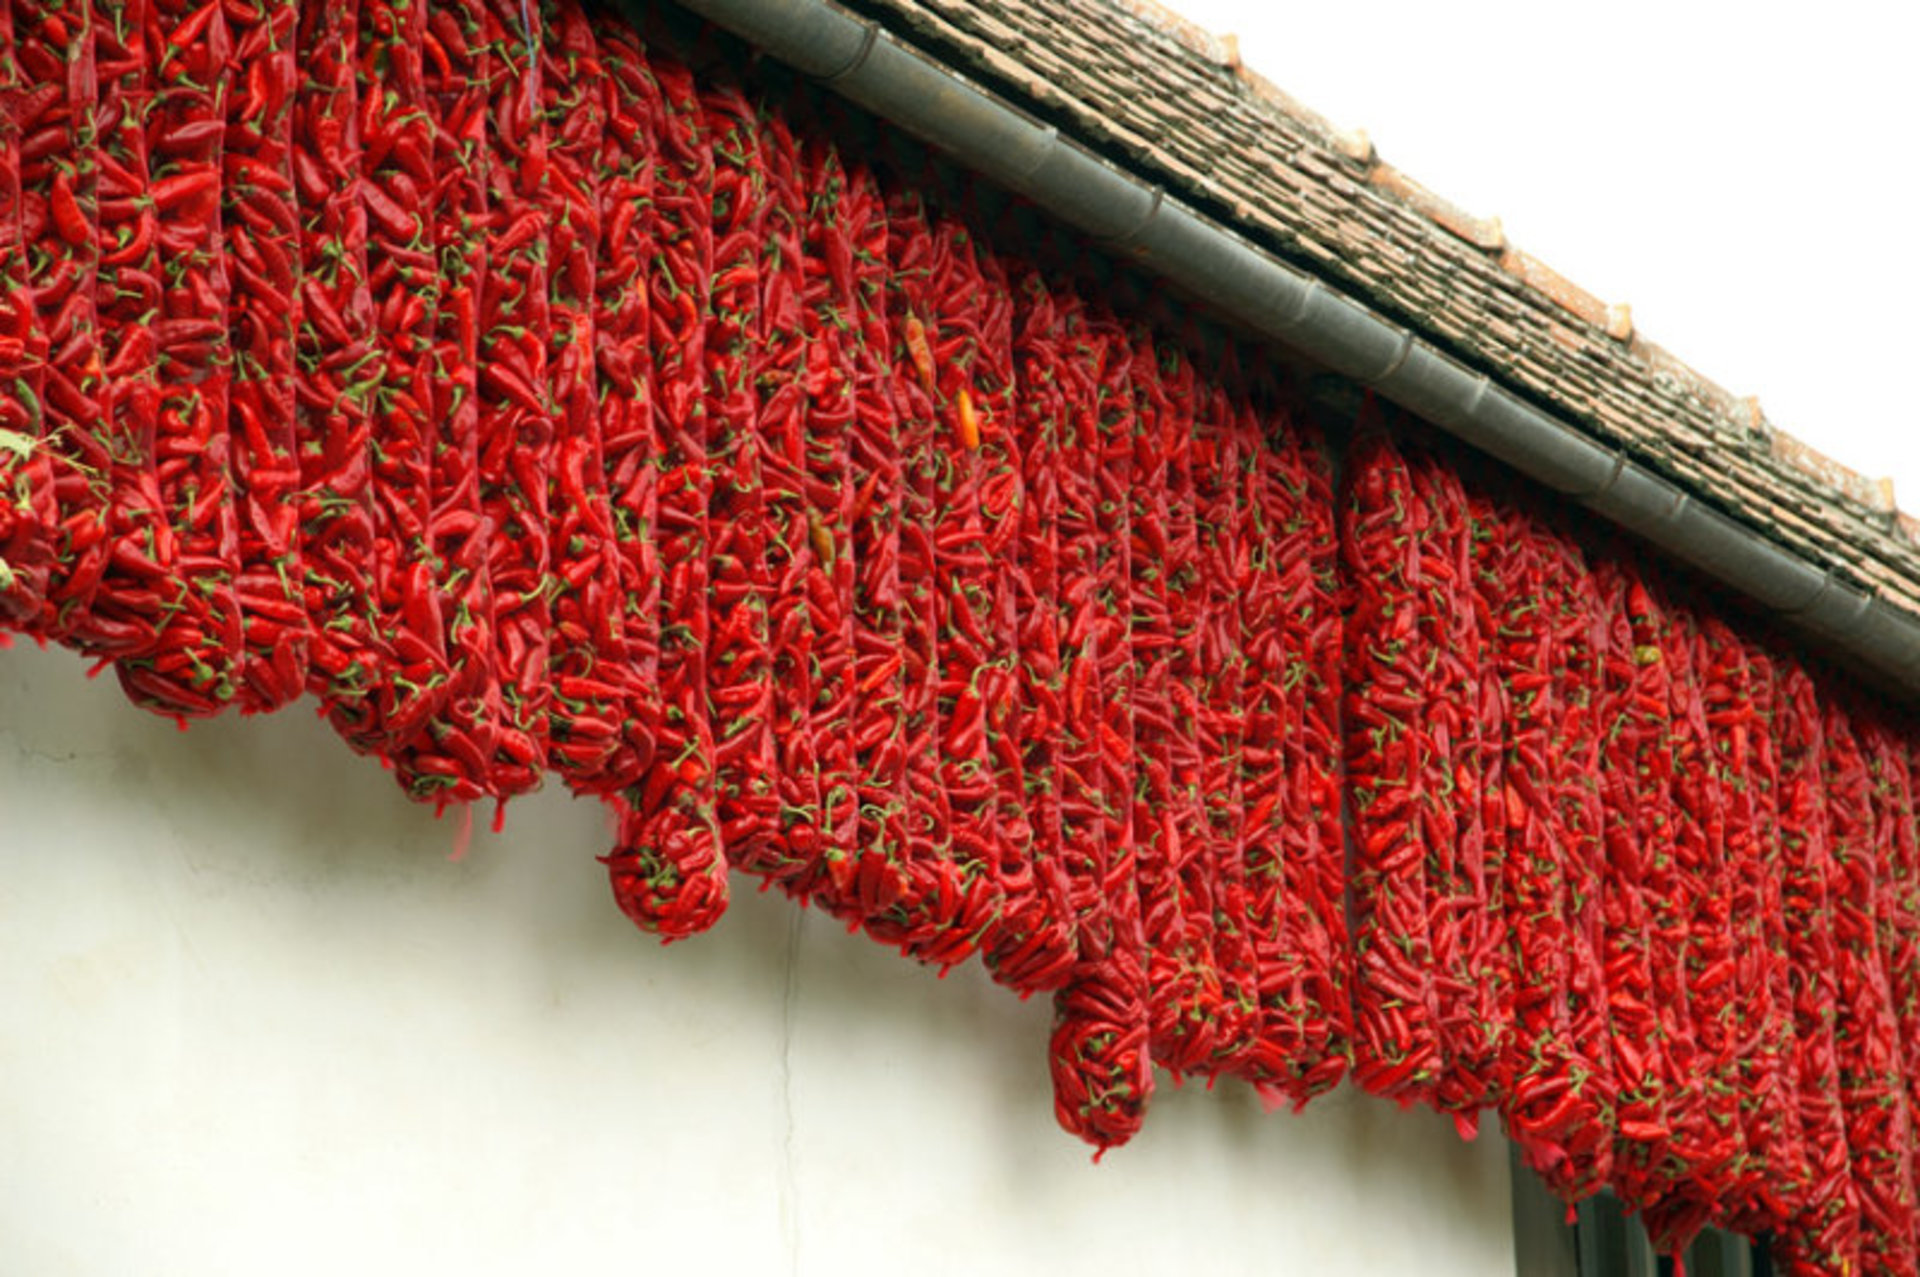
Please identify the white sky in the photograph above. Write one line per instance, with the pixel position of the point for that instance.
(1744, 176)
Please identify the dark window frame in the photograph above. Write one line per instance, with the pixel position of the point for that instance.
(1603, 1240)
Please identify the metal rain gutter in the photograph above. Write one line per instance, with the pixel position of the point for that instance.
(1135, 218)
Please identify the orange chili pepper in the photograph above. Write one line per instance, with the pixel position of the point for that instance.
(921, 351)
(823, 548)
(969, 422)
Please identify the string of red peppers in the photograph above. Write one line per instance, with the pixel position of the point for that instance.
(1741, 957)
(540, 405)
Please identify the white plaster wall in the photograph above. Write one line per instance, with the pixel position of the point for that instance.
(253, 1019)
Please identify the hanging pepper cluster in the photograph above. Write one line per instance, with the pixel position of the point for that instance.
(543, 407)
(1639, 883)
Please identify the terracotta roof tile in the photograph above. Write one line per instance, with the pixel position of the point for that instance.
(1875, 495)
(1160, 95)
(1550, 283)
(1485, 233)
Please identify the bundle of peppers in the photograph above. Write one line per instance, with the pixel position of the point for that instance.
(542, 405)
(1705, 948)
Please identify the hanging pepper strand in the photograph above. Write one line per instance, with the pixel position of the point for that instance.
(517, 409)
(1219, 437)
(1465, 909)
(1184, 976)
(591, 675)
(194, 666)
(1638, 1035)
(261, 223)
(1733, 709)
(1397, 1045)
(958, 304)
(396, 170)
(1100, 1057)
(740, 691)
(27, 510)
(1101, 1053)
(1579, 1121)
(1041, 906)
(124, 614)
(946, 904)
(633, 121)
(1316, 840)
(1824, 1236)
(1086, 833)
(867, 884)
(1027, 948)
(448, 758)
(1749, 725)
(828, 423)
(669, 869)
(1714, 1149)
(59, 186)
(338, 368)
(1692, 1151)
(778, 367)
(1872, 1067)
(1274, 619)
(1897, 823)
(1544, 1108)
